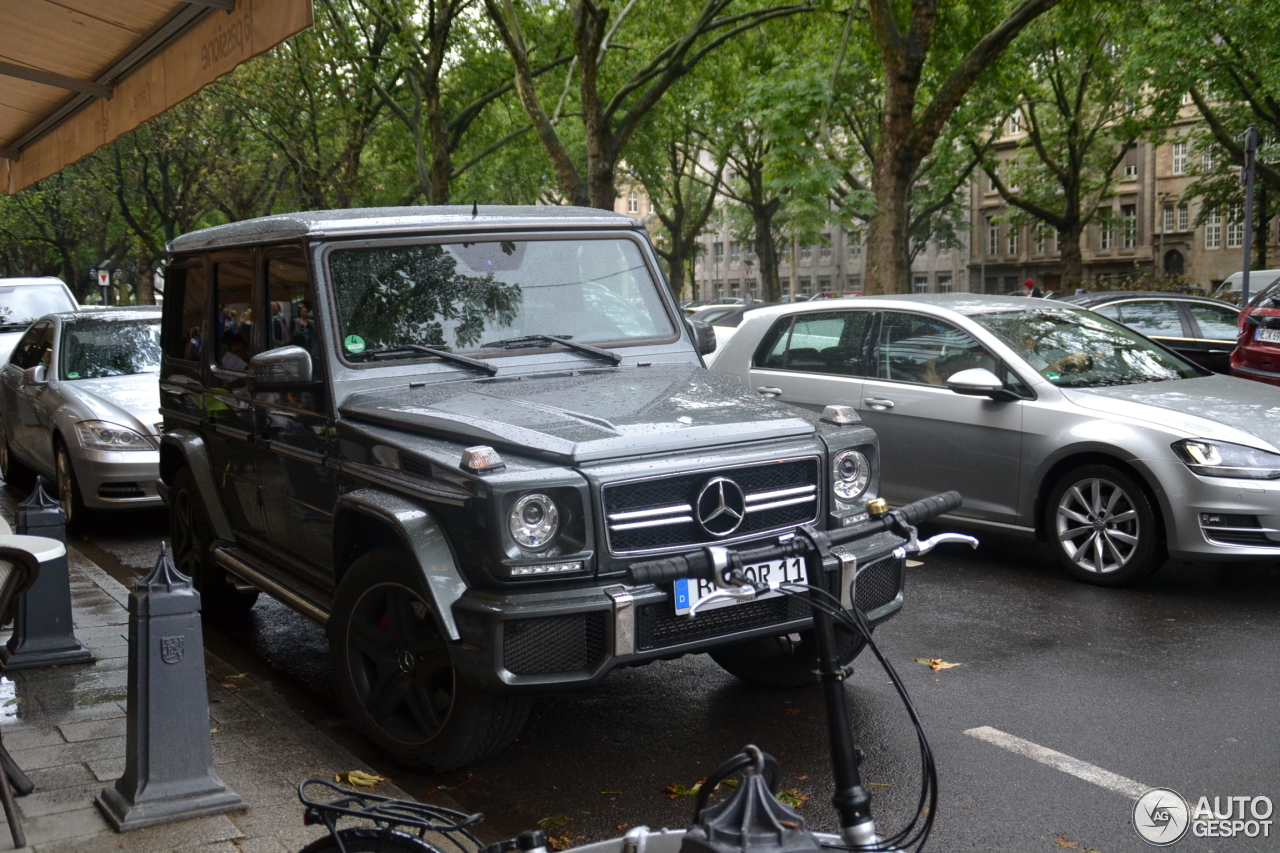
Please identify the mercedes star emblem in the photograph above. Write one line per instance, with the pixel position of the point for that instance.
(721, 506)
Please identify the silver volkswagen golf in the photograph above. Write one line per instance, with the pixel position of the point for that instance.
(1052, 421)
(80, 400)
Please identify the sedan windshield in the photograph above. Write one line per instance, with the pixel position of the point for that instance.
(21, 304)
(94, 349)
(462, 296)
(1079, 349)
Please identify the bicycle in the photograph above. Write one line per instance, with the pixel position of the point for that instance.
(751, 819)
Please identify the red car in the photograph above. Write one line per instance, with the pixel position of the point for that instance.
(1257, 352)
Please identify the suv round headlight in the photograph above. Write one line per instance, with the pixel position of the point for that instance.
(534, 521)
(851, 473)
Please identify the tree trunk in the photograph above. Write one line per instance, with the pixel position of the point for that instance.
(676, 260)
(767, 254)
(888, 232)
(1072, 257)
(441, 158)
(146, 280)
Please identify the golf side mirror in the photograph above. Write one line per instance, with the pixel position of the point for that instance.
(979, 382)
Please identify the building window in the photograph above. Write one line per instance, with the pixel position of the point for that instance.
(1166, 219)
(717, 252)
(855, 282)
(920, 284)
(735, 252)
(1235, 226)
(1129, 219)
(633, 202)
(1013, 241)
(1186, 98)
(1184, 217)
(719, 288)
(735, 287)
(1213, 230)
(806, 252)
(751, 254)
(1131, 170)
(806, 286)
(944, 282)
(786, 287)
(824, 283)
(993, 239)
(1042, 239)
(751, 288)
(1208, 162)
(1015, 123)
(1179, 158)
(824, 248)
(1105, 233)
(855, 244)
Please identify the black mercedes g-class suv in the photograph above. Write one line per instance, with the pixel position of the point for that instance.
(445, 432)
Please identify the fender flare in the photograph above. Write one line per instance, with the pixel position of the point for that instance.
(189, 447)
(421, 535)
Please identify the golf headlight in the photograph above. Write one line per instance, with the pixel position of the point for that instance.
(1220, 459)
(104, 435)
(850, 474)
(534, 521)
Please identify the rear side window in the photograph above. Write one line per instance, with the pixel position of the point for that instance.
(184, 331)
(830, 343)
(233, 320)
(1216, 322)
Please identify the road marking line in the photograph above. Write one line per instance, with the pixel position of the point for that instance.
(1080, 769)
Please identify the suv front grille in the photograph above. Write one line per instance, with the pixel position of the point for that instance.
(550, 644)
(658, 514)
(658, 626)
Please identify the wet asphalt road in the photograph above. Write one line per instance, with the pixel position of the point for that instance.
(1173, 684)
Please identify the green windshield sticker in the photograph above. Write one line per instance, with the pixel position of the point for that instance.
(354, 344)
(1049, 374)
(73, 375)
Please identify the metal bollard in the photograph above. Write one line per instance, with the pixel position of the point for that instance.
(168, 771)
(42, 631)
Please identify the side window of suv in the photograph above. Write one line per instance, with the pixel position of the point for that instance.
(290, 304)
(184, 330)
(830, 342)
(233, 314)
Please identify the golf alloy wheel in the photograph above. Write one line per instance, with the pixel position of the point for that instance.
(1098, 525)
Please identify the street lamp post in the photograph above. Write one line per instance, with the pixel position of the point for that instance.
(982, 247)
(1160, 197)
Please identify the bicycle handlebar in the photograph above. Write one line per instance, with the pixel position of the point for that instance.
(698, 564)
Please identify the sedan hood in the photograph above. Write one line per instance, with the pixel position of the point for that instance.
(136, 396)
(587, 415)
(1217, 407)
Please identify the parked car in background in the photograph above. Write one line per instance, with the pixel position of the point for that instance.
(1198, 328)
(22, 300)
(1259, 280)
(1257, 354)
(80, 403)
(1051, 420)
(724, 324)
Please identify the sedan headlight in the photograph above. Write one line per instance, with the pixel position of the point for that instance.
(850, 474)
(1220, 459)
(534, 521)
(104, 435)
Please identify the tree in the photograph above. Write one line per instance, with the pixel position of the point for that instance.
(660, 54)
(1083, 105)
(931, 54)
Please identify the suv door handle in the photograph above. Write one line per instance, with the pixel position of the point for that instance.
(769, 392)
(879, 404)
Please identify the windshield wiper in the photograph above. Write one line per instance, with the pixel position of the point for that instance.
(439, 352)
(512, 343)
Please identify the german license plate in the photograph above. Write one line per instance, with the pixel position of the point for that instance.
(773, 574)
(1271, 336)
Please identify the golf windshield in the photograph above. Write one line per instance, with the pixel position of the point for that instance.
(92, 349)
(472, 297)
(21, 304)
(1080, 349)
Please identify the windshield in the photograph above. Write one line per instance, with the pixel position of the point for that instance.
(94, 349)
(1079, 349)
(465, 295)
(21, 304)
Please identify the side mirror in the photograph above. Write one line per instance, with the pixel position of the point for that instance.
(979, 382)
(704, 337)
(34, 375)
(280, 369)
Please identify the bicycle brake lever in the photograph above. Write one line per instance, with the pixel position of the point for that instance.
(742, 593)
(915, 546)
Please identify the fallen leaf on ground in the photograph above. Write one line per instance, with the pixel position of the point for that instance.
(610, 792)
(215, 730)
(793, 711)
(1063, 842)
(881, 784)
(553, 820)
(359, 778)
(559, 842)
(936, 664)
(801, 778)
(792, 797)
(622, 826)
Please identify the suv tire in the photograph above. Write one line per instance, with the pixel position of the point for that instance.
(395, 675)
(1103, 527)
(190, 535)
(783, 662)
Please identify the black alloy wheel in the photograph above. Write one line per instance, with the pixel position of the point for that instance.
(395, 672)
(190, 537)
(69, 497)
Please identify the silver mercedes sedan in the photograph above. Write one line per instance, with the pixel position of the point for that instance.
(1052, 421)
(79, 403)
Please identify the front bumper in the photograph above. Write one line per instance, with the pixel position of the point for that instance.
(565, 639)
(1216, 519)
(117, 480)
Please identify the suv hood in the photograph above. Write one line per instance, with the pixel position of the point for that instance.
(1215, 407)
(586, 415)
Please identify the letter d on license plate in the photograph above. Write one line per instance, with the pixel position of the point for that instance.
(773, 574)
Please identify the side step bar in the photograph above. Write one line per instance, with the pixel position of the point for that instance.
(241, 567)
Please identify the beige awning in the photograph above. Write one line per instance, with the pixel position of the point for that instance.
(76, 74)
